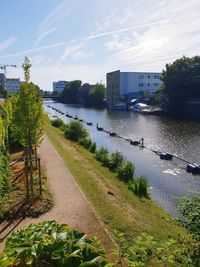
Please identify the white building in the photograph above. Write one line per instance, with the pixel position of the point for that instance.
(59, 86)
(129, 85)
(13, 85)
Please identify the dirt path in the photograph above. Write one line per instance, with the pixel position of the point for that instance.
(70, 205)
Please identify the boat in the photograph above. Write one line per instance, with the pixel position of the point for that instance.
(139, 107)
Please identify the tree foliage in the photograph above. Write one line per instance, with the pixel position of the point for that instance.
(97, 95)
(28, 116)
(71, 91)
(75, 93)
(181, 82)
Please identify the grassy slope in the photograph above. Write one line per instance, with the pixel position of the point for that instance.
(123, 210)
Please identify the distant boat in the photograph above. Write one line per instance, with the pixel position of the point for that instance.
(139, 107)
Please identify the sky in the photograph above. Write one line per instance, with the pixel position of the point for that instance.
(85, 39)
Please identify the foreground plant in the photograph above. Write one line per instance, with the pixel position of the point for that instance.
(51, 244)
(145, 250)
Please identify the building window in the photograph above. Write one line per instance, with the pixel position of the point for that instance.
(149, 77)
(148, 84)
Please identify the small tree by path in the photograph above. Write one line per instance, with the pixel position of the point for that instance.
(28, 123)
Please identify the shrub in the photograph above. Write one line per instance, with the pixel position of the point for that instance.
(51, 244)
(139, 186)
(4, 173)
(74, 131)
(116, 159)
(88, 144)
(102, 155)
(189, 208)
(125, 171)
(145, 250)
(62, 127)
(57, 123)
(93, 147)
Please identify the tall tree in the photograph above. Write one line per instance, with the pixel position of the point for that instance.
(71, 92)
(28, 117)
(181, 82)
(97, 95)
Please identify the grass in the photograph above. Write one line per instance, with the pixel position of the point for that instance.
(116, 206)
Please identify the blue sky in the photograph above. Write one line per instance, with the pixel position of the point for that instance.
(84, 39)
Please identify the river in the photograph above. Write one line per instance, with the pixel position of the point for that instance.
(168, 179)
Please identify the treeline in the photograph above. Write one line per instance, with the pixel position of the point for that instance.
(21, 124)
(76, 93)
(181, 83)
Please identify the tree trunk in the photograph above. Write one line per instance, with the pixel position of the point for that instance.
(40, 178)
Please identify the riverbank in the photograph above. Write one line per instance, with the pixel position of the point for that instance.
(115, 205)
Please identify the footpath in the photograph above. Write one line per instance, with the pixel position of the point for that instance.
(70, 204)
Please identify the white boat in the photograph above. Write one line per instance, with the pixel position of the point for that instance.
(139, 107)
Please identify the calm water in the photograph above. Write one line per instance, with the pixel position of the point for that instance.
(168, 180)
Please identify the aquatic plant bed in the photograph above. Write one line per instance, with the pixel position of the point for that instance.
(117, 206)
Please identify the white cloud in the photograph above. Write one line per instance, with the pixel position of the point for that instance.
(56, 17)
(75, 52)
(140, 35)
(5, 44)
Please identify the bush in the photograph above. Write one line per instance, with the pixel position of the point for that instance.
(125, 171)
(190, 211)
(51, 244)
(116, 159)
(88, 144)
(4, 173)
(57, 123)
(139, 186)
(102, 155)
(74, 131)
(145, 250)
(93, 147)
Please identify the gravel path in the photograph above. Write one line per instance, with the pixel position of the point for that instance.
(70, 204)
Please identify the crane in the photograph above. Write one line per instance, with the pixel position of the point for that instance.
(4, 67)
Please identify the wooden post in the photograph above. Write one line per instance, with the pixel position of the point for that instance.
(31, 169)
(142, 142)
(40, 178)
(26, 175)
(36, 162)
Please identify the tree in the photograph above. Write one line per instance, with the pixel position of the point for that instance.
(6, 116)
(97, 94)
(28, 120)
(181, 82)
(71, 91)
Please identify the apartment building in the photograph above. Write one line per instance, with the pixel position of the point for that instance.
(128, 85)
